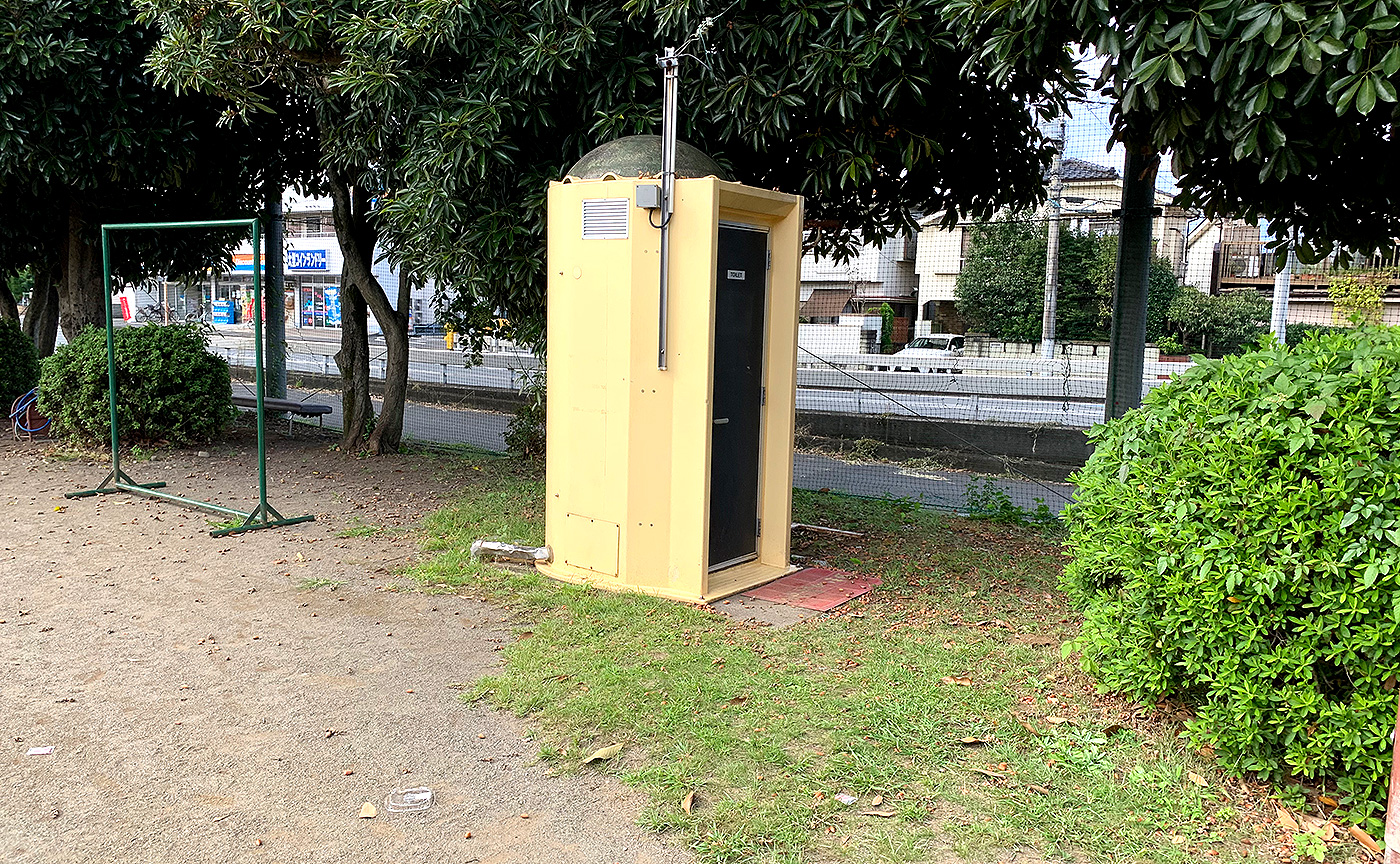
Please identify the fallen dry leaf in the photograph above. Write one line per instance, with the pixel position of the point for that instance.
(1037, 789)
(688, 802)
(1320, 827)
(1329, 801)
(1029, 728)
(1364, 839)
(986, 773)
(877, 801)
(368, 811)
(1286, 820)
(1198, 779)
(1112, 729)
(1056, 721)
(956, 679)
(883, 812)
(603, 754)
(970, 741)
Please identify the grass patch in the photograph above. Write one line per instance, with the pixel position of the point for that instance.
(940, 699)
(312, 584)
(360, 528)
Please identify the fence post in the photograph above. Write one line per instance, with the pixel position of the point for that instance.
(1128, 333)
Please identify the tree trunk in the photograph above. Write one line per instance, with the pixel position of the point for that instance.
(8, 307)
(353, 359)
(80, 292)
(388, 432)
(41, 316)
(357, 236)
(1130, 286)
(352, 231)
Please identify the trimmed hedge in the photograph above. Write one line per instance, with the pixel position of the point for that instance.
(1236, 544)
(19, 364)
(169, 387)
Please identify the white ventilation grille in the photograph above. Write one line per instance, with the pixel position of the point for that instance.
(605, 218)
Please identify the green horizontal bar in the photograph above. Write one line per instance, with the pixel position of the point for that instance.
(107, 490)
(188, 502)
(258, 526)
(207, 223)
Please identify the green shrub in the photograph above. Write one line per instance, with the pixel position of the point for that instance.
(19, 363)
(525, 434)
(1300, 330)
(1235, 544)
(169, 387)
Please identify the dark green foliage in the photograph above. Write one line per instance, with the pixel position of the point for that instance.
(1236, 544)
(886, 328)
(20, 284)
(169, 387)
(19, 363)
(1001, 290)
(1217, 325)
(868, 109)
(1276, 110)
(525, 435)
(1300, 330)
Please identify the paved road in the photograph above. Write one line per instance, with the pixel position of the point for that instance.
(941, 489)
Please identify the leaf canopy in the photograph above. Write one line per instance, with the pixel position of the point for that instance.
(466, 110)
(1282, 110)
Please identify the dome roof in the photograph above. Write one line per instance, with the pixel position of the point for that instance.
(640, 156)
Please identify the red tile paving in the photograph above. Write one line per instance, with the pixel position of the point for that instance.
(814, 588)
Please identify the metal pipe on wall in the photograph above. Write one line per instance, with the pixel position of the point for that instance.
(670, 63)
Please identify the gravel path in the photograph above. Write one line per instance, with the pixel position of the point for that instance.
(206, 705)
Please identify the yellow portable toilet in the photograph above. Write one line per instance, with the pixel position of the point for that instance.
(674, 481)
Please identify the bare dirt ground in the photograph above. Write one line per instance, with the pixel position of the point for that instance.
(206, 705)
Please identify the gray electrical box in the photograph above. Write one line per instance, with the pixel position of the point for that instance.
(649, 197)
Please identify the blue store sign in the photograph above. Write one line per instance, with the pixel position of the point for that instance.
(306, 259)
(297, 259)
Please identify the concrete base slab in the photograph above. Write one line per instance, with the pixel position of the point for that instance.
(744, 608)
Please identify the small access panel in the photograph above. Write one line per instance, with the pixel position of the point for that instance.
(736, 437)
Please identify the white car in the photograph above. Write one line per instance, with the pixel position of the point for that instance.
(930, 353)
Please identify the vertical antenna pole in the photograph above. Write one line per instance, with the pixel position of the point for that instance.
(670, 64)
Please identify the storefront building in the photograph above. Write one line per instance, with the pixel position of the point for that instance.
(312, 269)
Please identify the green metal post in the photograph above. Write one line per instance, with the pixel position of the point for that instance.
(111, 352)
(258, 366)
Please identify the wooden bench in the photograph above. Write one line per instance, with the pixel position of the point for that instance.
(284, 406)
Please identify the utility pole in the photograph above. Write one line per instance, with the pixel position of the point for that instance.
(1278, 320)
(275, 295)
(1052, 252)
(1128, 337)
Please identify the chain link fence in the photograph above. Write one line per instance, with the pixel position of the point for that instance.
(959, 365)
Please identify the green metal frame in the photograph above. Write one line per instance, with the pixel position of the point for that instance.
(117, 480)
